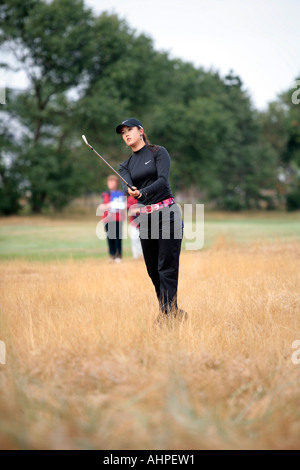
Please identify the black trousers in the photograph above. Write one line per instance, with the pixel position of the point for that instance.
(161, 237)
(114, 240)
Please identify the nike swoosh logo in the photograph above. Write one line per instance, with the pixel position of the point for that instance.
(147, 162)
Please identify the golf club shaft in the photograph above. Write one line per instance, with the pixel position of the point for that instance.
(124, 181)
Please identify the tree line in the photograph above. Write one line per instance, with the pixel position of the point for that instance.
(87, 72)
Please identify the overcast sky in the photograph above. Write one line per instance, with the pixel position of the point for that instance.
(258, 39)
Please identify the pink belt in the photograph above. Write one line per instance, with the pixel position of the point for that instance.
(156, 207)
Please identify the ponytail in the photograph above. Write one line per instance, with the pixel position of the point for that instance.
(152, 147)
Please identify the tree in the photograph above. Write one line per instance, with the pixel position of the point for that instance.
(87, 72)
(9, 178)
(52, 43)
(247, 165)
(280, 126)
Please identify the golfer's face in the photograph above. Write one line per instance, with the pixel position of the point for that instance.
(131, 135)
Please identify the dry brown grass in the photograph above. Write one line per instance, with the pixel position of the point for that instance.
(86, 370)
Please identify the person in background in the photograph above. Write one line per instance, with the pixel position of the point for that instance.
(113, 206)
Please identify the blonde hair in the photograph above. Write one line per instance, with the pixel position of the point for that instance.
(113, 177)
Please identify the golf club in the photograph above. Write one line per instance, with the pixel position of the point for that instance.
(86, 142)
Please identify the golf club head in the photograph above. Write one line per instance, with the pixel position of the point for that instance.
(84, 140)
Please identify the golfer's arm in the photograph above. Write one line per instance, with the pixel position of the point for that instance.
(123, 171)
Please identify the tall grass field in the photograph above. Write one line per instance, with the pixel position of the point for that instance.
(85, 368)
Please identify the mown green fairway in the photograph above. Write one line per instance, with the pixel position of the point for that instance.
(42, 238)
(251, 228)
(50, 238)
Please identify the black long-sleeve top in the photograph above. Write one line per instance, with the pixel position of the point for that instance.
(148, 170)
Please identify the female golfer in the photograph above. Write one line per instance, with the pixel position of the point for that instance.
(161, 227)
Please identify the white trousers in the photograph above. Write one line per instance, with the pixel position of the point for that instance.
(136, 247)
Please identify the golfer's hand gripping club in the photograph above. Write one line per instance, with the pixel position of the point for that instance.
(124, 181)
